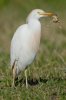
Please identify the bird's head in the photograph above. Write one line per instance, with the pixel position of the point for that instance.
(38, 13)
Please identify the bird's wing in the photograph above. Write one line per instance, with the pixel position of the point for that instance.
(17, 42)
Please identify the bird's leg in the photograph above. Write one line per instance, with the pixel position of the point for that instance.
(26, 78)
(14, 76)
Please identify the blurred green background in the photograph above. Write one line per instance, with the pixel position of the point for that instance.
(14, 12)
(49, 69)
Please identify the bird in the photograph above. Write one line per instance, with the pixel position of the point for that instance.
(25, 43)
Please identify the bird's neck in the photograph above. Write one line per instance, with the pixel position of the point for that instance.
(35, 25)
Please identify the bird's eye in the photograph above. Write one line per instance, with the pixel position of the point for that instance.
(38, 12)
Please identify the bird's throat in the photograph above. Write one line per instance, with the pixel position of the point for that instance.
(35, 25)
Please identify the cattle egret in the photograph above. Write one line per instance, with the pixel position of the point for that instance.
(25, 43)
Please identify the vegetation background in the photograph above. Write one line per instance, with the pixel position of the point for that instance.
(47, 75)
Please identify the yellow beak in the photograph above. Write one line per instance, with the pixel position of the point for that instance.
(47, 14)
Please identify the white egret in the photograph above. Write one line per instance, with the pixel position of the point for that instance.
(25, 43)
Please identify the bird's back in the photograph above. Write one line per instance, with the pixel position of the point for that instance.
(17, 42)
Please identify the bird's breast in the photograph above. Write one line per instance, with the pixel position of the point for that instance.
(34, 42)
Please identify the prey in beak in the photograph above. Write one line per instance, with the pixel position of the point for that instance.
(54, 16)
(55, 19)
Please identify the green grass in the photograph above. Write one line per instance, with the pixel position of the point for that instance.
(47, 74)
